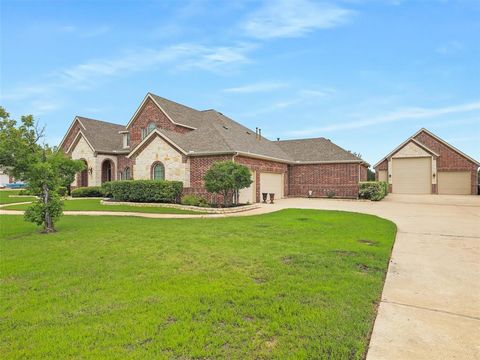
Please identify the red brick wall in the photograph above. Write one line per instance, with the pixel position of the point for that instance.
(123, 162)
(449, 160)
(198, 168)
(71, 136)
(382, 166)
(259, 166)
(363, 173)
(148, 113)
(322, 178)
(200, 165)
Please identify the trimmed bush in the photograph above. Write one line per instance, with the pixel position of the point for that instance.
(91, 191)
(161, 191)
(373, 190)
(194, 200)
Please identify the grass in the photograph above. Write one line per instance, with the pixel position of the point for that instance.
(287, 285)
(6, 199)
(95, 205)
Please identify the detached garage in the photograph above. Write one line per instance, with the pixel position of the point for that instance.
(426, 164)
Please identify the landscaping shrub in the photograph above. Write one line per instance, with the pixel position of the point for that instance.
(373, 190)
(62, 191)
(163, 191)
(91, 191)
(194, 200)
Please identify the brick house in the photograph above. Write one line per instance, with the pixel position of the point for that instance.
(167, 140)
(426, 164)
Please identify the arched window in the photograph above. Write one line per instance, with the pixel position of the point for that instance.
(151, 126)
(126, 173)
(158, 171)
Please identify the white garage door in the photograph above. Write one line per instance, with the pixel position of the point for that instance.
(271, 183)
(248, 195)
(454, 182)
(412, 176)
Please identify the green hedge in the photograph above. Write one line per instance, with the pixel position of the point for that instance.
(162, 191)
(373, 190)
(91, 191)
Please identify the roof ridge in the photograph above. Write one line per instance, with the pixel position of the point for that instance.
(101, 121)
(174, 102)
(312, 138)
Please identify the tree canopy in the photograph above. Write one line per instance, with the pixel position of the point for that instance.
(227, 178)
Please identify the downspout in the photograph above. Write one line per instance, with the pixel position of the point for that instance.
(234, 156)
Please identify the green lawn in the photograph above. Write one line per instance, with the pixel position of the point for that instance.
(6, 199)
(95, 205)
(287, 285)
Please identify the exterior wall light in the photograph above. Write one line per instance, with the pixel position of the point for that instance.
(90, 170)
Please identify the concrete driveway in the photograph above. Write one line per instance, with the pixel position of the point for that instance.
(430, 307)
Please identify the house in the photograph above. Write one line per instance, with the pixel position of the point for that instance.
(167, 140)
(426, 164)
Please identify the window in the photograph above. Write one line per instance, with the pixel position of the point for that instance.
(158, 171)
(151, 126)
(144, 133)
(126, 140)
(126, 173)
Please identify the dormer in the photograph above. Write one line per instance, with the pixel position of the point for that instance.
(126, 139)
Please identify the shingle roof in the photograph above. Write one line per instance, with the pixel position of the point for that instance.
(316, 149)
(214, 132)
(102, 135)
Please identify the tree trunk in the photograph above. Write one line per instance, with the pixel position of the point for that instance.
(48, 224)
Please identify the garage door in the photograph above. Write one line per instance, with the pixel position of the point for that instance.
(382, 175)
(411, 176)
(248, 195)
(271, 183)
(454, 182)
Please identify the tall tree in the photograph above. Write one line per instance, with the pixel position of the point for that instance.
(45, 169)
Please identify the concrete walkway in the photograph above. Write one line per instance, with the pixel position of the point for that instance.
(430, 306)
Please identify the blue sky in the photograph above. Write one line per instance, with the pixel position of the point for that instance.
(365, 74)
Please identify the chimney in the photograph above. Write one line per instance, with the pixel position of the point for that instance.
(278, 139)
(259, 133)
(256, 133)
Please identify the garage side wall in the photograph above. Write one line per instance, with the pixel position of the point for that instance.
(198, 167)
(450, 160)
(342, 179)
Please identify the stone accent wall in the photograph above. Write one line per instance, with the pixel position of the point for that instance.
(148, 113)
(322, 178)
(83, 151)
(176, 166)
(259, 165)
(449, 160)
(411, 149)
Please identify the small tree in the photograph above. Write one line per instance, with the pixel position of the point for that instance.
(227, 178)
(45, 169)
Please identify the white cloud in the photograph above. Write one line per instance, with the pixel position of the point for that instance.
(256, 87)
(449, 48)
(395, 116)
(293, 18)
(87, 75)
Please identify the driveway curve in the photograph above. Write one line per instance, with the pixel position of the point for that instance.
(430, 305)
